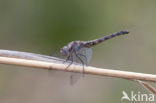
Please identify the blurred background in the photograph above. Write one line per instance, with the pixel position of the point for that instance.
(44, 26)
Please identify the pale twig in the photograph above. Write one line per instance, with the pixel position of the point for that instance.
(147, 86)
(54, 64)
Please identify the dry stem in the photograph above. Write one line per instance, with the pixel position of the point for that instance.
(78, 68)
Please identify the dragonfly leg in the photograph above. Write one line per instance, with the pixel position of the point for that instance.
(80, 60)
(70, 62)
(84, 57)
(66, 59)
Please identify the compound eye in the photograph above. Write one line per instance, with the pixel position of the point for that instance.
(64, 51)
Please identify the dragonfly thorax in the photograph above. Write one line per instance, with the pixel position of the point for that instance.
(72, 47)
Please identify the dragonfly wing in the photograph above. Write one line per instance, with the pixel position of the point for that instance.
(74, 77)
(85, 55)
(88, 53)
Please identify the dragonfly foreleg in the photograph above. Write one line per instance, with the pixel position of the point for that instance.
(70, 62)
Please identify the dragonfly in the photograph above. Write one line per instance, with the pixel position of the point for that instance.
(82, 51)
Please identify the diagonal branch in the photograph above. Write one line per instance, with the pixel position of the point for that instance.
(52, 63)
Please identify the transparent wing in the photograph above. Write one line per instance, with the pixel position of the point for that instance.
(58, 54)
(31, 56)
(85, 54)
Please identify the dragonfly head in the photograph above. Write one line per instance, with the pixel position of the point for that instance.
(65, 51)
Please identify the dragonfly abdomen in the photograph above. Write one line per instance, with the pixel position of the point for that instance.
(97, 41)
